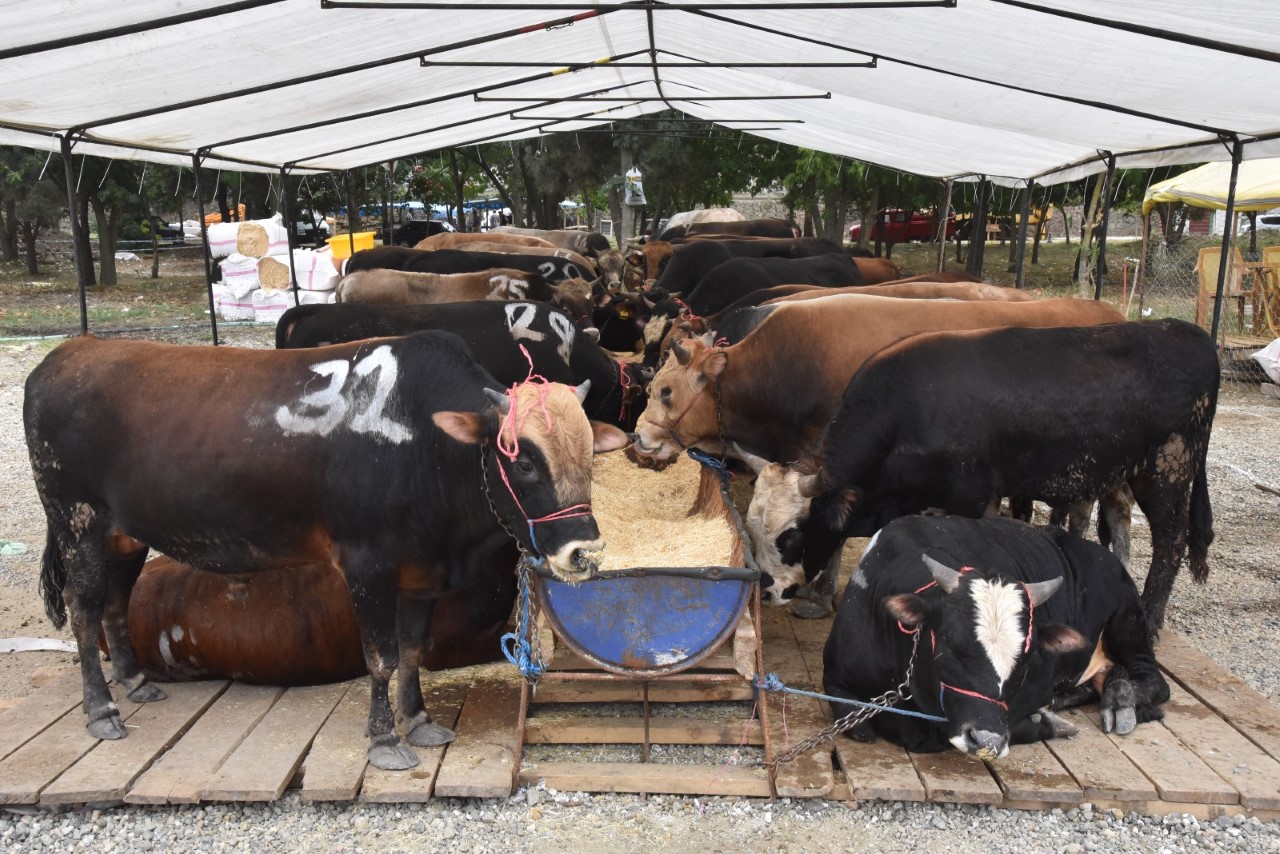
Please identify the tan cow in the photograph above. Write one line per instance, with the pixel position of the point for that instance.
(588, 243)
(920, 288)
(651, 259)
(457, 239)
(618, 273)
(397, 287)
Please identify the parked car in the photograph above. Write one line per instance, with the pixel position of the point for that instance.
(902, 226)
(1266, 222)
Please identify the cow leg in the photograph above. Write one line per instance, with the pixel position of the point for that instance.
(1134, 688)
(373, 593)
(413, 622)
(1042, 725)
(1021, 509)
(821, 591)
(1115, 518)
(1076, 695)
(122, 574)
(1166, 503)
(1078, 517)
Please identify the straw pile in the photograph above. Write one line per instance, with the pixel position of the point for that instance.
(644, 516)
(273, 272)
(252, 240)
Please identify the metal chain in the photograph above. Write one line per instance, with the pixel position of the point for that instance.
(860, 714)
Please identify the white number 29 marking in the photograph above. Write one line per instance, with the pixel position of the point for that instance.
(335, 401)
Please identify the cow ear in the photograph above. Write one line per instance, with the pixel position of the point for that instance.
(713, 366)
(465, 427)
(1060, 639)
(906, 608)
(606, 437)
(948, 579)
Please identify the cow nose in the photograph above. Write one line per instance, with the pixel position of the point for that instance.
(584, 564)
(984, 744)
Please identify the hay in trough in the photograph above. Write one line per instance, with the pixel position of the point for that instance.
(667, 518)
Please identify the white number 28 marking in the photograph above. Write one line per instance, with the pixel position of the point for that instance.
(324, 410)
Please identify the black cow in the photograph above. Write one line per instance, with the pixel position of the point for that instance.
(495, 332)
(551, 269)
(739, 277)
(1012, 621)
(956, 420)
(690, 262)
(374, 457)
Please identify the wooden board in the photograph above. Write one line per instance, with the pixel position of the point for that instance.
(630, 730)
(265, 762)
(660, 691)
(417, 784)
(956, 778)
(32, 767)
(1100, 768)
(880, 771)
(1032, 773)
(180, 775)
(481, 762)
(1176, 771)
(1223, 691)
(106, 773)
(1238, 761)
(38, 711)
(338, 756)
(794, 718)
(639, 777)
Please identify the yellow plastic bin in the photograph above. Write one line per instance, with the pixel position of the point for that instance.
(341, 245)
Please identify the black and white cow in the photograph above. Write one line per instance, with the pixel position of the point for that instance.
(957, 420)
(1009, 617)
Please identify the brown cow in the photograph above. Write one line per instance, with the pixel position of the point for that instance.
(618, 272)
(588, 243)
(455, 239)
(651, 259)
(919, 287)
(294, 625)
(876, 271)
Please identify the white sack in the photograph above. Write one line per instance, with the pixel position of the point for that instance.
(222, 238)
(269, 305)
(1269, 358)
(240, 273)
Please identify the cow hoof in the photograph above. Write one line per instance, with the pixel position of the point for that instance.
(109, 728)
(147, 693)
(1125, 720)
(1060, 727)
(430, 735)
(812, 610)
(392, 757)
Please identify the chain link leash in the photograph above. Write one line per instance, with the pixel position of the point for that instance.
(884, 702)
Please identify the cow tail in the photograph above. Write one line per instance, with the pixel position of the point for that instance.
(53, 578)
(1200, 535)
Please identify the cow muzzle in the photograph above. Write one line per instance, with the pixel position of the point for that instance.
(987, 746)
(577, 561)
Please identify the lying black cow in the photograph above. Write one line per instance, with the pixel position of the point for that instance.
(955, 421)
(1007, 615)
(374, 457)
(495, 331)
(551, 269)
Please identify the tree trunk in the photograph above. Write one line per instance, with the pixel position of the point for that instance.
(86, 246)
(9, 234)
(155, 244)
(108, 220)
(1084, 254)
(503, 192)
(869, 217)
(457, 189)
(30, 231)
(1066, 221)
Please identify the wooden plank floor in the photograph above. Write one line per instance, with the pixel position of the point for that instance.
(1216, 753)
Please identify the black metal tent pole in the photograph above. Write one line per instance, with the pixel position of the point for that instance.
(944, 214)
(1237, 150)
(82, 271)
(978, 230)
(692, 99)
(565, 66)
(386, 203)
(629, 5)
(204, 240)
(289, 227)
(1020, 258)
(352, 218)
(1105, 200)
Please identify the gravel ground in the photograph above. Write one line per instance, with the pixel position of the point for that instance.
(1236, 611)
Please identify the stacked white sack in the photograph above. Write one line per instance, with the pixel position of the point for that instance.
(222, 238)
(269, 305)
(240, 273)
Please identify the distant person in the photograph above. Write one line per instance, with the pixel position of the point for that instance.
(475, 220)
(502, 218)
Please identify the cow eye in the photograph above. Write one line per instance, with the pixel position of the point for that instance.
(524, 467)
(665, 395)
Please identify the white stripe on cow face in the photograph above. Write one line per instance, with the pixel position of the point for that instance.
(997, 608)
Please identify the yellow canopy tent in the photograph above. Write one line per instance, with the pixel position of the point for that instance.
(1257, 187)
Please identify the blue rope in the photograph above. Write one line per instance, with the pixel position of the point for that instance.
(710, 462)
(515, 645)
(773, 684)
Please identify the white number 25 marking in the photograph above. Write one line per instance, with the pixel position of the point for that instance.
(335, 402)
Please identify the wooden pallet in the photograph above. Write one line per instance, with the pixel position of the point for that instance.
(1216, 753)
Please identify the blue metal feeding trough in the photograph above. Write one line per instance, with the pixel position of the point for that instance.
(651, 621)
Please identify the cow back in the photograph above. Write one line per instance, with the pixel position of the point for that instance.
(454, 239)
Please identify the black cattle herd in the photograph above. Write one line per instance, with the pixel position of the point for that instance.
(392, 440)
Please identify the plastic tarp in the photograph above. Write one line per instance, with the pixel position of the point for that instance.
(1257, 187)
(1011, 90)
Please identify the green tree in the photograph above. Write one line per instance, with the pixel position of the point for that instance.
(30, 203)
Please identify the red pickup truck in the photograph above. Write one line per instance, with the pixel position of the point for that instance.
(897, 228)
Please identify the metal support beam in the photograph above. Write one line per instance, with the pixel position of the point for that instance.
(563, 67)
(944, 214)
(289, 231)
(1100, 272)
(692, 99)
(1237, 150)
(629, 5)
(1020, 258)
(82, 271)
(196, 160)
(352, 216)
(586, 117)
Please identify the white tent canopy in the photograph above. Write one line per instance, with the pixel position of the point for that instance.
(1005, 88)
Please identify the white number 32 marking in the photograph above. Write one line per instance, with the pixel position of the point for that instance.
(324, 410)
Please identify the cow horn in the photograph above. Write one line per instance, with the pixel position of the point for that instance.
(649, 302)
(757, 464)
(1042, 590)
(946, 577)
(683, 356)
(581, 391)
(808, 485)
(498, 399)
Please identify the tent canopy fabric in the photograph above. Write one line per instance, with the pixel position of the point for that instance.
(1257, 187)
(1011, 89)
